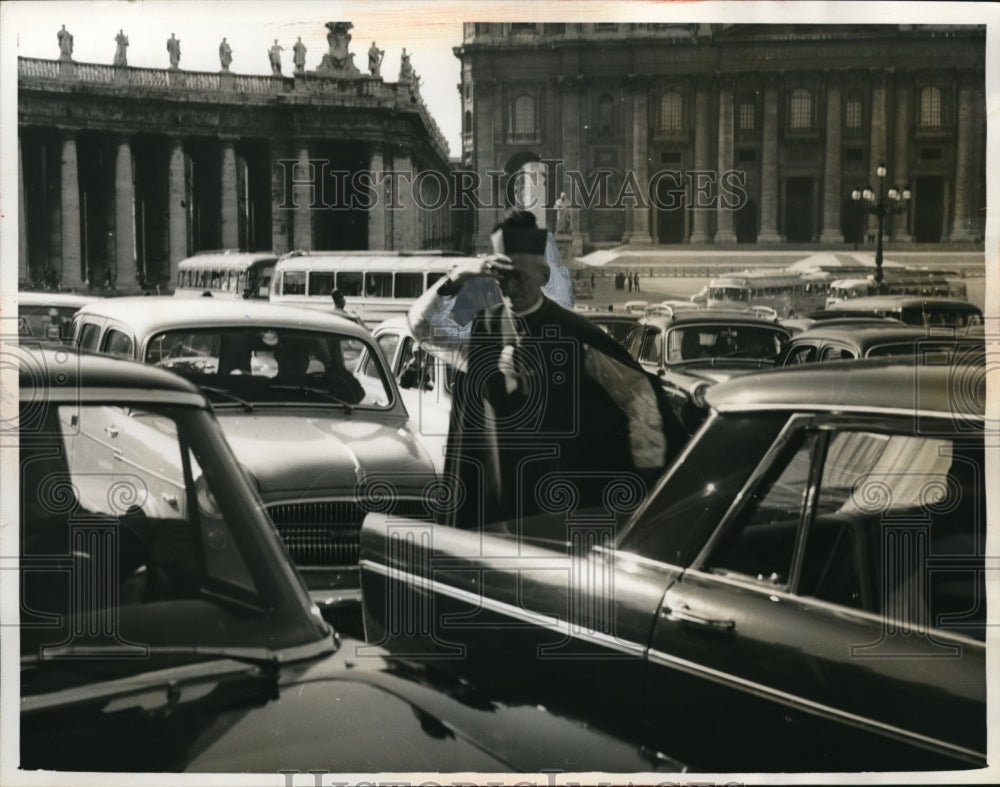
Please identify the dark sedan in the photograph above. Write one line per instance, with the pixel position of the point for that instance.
(803, 590)
(184, 640)
(845, 341)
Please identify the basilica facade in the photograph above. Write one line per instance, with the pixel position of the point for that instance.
(727, 134)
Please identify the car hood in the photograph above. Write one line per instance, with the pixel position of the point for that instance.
(318, 454)
(358, 713)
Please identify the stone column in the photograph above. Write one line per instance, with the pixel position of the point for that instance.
(280, 211)
(405, 228)
(878, 140)
(177, 231)
(23, 268)
(901, 154)
(832, 231)
(769, 165)
(69, 203)
(640, 156)
(702, 156)
(124, 223)
(377, 214)
(488, 120)
(963, 226)
(302, 196)
(229, 201)
(724, 214)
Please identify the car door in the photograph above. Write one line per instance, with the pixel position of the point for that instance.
(789, 623)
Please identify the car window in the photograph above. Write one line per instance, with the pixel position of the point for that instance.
(263, 365)
(388, 342)
(117, 343)
(652, 346)
(803, 354)
(835, 353)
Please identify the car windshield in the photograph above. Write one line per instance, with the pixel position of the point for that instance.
(265, 365)
(722, 341)
(141, 535)
(49, 322)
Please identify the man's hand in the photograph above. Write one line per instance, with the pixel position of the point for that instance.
(492, 266)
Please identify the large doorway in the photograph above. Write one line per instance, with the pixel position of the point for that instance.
(928, 211)
(669, 220)
(746, 223)
(852, 221)
(799, 210)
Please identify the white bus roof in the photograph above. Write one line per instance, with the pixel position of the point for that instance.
(368, 261)
(224, 260)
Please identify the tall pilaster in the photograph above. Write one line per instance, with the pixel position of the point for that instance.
(572, 150)
(639, 88)
(376, 216)
(769, 166)
(878, 137)
(124, 223)
(832, 231)
(302, 196)
(724, 213)
(23, 272)
(964, 226)
(73, 277)
(229, 197)
(487, 120)
(177, 230)
(901, 150)
(702, 156)
(280, 211)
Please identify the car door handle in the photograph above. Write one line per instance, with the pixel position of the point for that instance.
(684, 615)
(171, 500)
(111, 431)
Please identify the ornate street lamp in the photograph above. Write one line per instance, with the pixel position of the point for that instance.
(896, 200)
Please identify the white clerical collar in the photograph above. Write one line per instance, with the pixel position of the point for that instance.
(531, 309)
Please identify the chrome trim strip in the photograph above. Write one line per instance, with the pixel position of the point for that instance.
(805, 409)
(815, 708)
(518, 613)
(120, 397)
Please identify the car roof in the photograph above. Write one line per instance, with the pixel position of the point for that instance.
(148, 315)
(45, 298)
(865, 334)
(875, 302)
(886, 385)
(64, 370)
(700, 316)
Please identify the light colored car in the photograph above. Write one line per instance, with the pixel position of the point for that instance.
(425, 383)
(324, 443)
(48, 315)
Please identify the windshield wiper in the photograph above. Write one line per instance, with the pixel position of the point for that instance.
(231, 396)
(310, 390)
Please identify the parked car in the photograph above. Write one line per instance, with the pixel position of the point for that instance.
(617, 325)
(425, 383)
(836, 340)
(918, 310)
(692, 350)
(48, 315)
(324, 443)
(168, 638)
(802, 591)
(825, 316)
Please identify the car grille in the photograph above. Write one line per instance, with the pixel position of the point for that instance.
(328, 533)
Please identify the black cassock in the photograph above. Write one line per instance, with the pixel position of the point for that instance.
(559, 441)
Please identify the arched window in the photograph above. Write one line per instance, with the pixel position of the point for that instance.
(800, 109)
(930, 107)
(605, 115)
(853, 110)
(467, 122)
(671, 111)
(524, 116)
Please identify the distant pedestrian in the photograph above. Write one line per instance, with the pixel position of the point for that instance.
(635, 281)
(628, 277)
(340, 307)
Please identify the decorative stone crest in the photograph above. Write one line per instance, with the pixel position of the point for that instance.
(338, 62)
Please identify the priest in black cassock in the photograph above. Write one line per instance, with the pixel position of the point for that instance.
(547, 409)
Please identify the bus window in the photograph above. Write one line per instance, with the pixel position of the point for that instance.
(378, 285)
(409, 285)
(320, 283)
(294, 283)
(433, 277)
(349, 283)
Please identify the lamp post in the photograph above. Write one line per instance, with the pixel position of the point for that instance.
(896, 200)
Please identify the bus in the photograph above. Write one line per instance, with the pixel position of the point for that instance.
(782, 291)
(932, 283)
(228, 274)
(376, 285)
